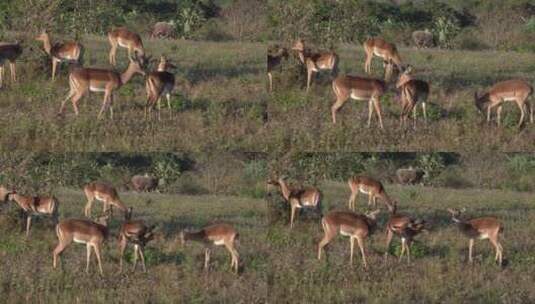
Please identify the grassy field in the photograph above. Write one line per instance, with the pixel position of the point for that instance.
(303, 121)
(175, 273)
(219, 102)
(439, 271)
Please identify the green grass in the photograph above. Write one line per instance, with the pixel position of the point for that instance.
(175, 273)
(438, 272)
(219, 102)
(304, 121)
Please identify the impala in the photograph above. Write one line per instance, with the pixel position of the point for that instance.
(138, 233)
(314, 62)
(358, 88)
(158, 83)
(370, 186)
(480, 228)
(60, 51)
(355, 226)
(387, 51)
(515, 90)
(4, 192)
(406, 228)
(92, 234)
(108, 195)
(412, 91)
(298, 198)
(9, 52)
(85, 80)
(35, 206)
(274, 60)
(217, 235)
(127, 39)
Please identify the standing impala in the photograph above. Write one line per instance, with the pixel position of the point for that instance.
(387, 51)
(85, 80)
(35, 206)
(92, 234)
(274, 60)
(405, 227)
(125, 38)
(107, 194)
(138, 233)
(9, 52)
(370, 186)
(355, 226)
(358, 88)
(158, 83)
(412, 91)
(480, 228)
(314, 62)
(217, 235)
(298, 198)
(515, 90)
(60, 51)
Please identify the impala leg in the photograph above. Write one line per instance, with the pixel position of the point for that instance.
(340, 100)
(368, 64)
(122, 248)
(403, 244)
(370, 112)
(75, 100)
(270, 79)
(28, 224)
(408, 245)
(352, 200)
(231, 251)
(111, 105)
(309, 77)
(54, 67)
(488, 114)
(142, 257)
(327, 237)
(57, 252)
(522, 114)
(499, 115)
(206, 258)
(389, 235)
(378, 110)
(292, 215)
(13, 71)
(351, 245)
(159, 107)
(362, 251)
(88, 206)
(424, 109)
(88, 249)
(97, 253)
(470, 250)
(136, 253)
(414, 116)
(1, 75)
(105, 104)
(168, 97)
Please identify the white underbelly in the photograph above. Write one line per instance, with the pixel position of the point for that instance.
(220, 242)
(510, 99)
(483, 236)
(345, 233)
(357, 97)
(364, 191)
(79, 241)
(121, 43)
(97, 89)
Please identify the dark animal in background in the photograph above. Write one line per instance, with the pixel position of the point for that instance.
(142, 183)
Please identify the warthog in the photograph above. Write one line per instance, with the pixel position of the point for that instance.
(143, 183)
(423, 39)
(410, 175)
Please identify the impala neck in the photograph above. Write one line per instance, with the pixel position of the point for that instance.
(128, 74)
(284, 189)
(301, 56)
(194, 236)
(46, 44)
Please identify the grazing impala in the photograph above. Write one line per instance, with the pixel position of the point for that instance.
(412, 91)
(158, 83)
(127, 39)
(217, 234)
(515, 90)
(314, 62)
(35, 206)
(60, 51)
(9, 52)
(358, 88)
(355, 226)
(274, 60)
(84, 80)
(139, 234)
(108, 195)
(480, 228)
(298, 198)
(370, 186)
(92, 234)
(387, 51)
(406, 228)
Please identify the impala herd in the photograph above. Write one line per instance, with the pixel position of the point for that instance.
(358, 226)
(410, 91)
(94, 232)
(83, 80)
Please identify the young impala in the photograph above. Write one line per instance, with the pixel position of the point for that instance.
(158, 83)
(387, 51)
(60, 51)
(85, 80)
(412, 91)
(35, 206)
(127, 39)
(274, 60)
(355, 226)
(406, 228)
(358, 88)
(9, 52)
(108, 195)
(480, 228)
(370, 186)
(298, 198)
(315, 62)
(515, 90)
(217, 235)
(138, 233)
(92, 234)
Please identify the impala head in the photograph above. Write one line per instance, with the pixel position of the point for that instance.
(43, 36)
(418, 225)
(136, 65)
(455, 213)
(404, 76)
(299, 45)
(373, 214)
(4, 194)
(165, 64)
(103, 218)
(481, 101)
